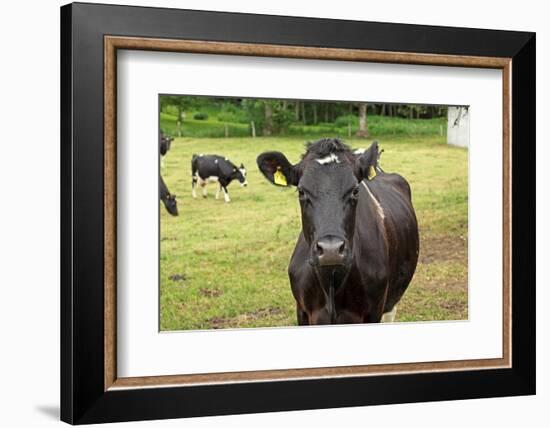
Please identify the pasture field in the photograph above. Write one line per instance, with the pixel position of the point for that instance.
(225, 265)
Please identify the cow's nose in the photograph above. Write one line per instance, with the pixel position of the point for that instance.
(331, 250)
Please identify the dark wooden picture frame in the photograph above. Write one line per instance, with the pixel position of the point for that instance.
(90, 389)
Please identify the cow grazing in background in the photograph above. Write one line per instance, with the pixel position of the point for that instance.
(358, 248)
(168, 199)
(165, 142)
(359, 152)
(215, 169)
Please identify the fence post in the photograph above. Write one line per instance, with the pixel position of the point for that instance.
(253, 127)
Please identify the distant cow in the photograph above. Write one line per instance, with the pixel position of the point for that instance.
(358, 248)
(215, 169)
(362, 150)
(165, 141)
(168, 199)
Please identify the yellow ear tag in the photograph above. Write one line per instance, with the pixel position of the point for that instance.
(372, 173)
(279, 178)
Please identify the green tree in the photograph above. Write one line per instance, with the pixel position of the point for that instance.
(270, 117)
(181, 105)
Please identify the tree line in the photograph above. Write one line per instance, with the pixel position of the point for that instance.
(274, 117)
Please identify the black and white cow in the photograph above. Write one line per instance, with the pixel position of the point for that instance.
(215, 169)
(168, 199)
(165, 142)
(358, 248)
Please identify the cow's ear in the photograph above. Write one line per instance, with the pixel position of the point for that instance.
(367, 162)
(277, 169)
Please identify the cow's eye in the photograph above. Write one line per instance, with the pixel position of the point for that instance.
(301, 194)
(355, 193)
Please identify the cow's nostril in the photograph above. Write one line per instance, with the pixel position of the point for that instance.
(320, 249)
(342, 248)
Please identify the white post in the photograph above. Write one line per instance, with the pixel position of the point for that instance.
(458, 126)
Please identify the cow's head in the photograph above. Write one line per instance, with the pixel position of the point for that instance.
(241, 175)
(171, 204)
(328, 183)
(165, 143)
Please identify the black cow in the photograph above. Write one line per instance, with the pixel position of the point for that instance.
(362, 150)
(358, 248)
(165, 142)
(215, 169)
(167, 198)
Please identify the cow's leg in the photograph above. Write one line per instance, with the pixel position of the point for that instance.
(193, 185)
(218, 191)
(204, 191)
(303, 319)
(225, 194)
(376, 304)
(389, 316)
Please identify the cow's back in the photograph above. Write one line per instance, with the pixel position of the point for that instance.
(205, 165)
(211, 166)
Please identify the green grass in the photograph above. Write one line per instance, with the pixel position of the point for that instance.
(213, 127)
(378, 126)
(225, 265)
(210, 128)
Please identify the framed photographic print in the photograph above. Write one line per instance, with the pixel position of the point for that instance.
(266, 213)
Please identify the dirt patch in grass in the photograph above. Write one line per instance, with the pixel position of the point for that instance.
(451, 285)
(454, 306)
(178, 277)
(239, 320)
(443, 248)
(210, 292)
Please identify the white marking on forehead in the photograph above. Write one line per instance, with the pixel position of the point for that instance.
(328, 159)
(379, 208)
(360, 151)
